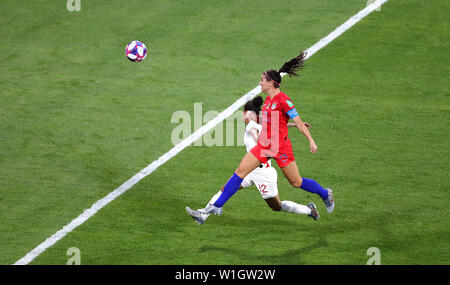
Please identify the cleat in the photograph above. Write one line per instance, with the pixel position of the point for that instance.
(211, 209)
(314, 214)
(198, 217)
(329, 202)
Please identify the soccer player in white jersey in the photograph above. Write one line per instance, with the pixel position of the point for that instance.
(263, 177)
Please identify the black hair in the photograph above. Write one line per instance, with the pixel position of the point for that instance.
(290, 67)
(254, 105)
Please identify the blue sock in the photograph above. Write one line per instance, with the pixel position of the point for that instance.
(312, 186)
(230, 188)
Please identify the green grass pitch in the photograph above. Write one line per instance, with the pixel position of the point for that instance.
(77, 119)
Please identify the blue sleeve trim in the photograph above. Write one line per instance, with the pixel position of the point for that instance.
(292, 113)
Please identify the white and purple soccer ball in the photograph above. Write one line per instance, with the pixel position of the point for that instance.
(136, 51)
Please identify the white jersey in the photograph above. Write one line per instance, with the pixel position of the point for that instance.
(248, 139)
(264, 177)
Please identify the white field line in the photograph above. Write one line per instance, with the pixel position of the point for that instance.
(185, 143)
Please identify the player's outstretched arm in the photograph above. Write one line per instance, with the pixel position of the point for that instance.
(291, 125)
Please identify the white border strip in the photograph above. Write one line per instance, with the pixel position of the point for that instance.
(185, 143)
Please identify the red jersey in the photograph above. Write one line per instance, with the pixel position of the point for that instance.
(276, 113)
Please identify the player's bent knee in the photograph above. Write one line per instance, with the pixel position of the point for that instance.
(242, 172)
(276, 208)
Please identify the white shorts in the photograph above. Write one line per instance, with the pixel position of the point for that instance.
(265, 179)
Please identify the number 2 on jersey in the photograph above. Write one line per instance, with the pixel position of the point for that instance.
(262, 188)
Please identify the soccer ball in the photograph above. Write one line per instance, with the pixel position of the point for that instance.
(136, 51)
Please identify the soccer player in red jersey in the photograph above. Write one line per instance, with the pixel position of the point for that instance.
(274, 142)
(263, 177)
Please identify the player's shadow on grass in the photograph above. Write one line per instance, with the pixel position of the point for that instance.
(273, 221)
(289, 257)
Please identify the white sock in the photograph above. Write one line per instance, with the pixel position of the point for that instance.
(214, 198)
(291, 207)
(212, 201)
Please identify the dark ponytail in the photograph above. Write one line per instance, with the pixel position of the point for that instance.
(290, 67)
